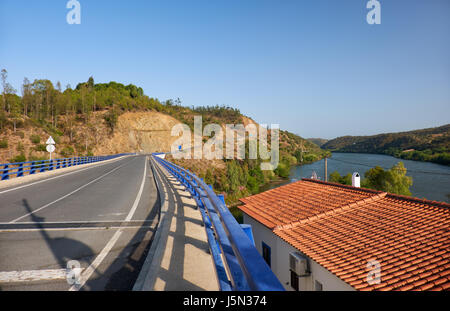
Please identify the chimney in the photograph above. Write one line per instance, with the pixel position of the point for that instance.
(356, 180)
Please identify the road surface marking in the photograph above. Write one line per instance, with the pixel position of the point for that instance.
(69, 194)
(72, 222)
(73, 229)
(62, 175)
(84, 277)
(32, 275)
(138, 197)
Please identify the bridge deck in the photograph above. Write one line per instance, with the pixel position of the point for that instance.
(181, 259)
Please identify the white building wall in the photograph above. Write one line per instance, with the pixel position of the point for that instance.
(280, 251)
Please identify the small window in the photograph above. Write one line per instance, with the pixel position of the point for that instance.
(266, 253)
(294, 280)
(318, 286)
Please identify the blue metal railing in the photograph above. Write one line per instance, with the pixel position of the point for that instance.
(243, 268)
(20, 169)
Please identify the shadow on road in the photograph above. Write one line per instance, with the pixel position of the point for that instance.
(62, 248)
(124, 270)
(125, 261)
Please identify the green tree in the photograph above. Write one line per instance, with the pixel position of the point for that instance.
(3, 119)
(209, 178)
(283, 169)
(393, 180)
(35, 139)
(26, 96)
(15, 110)
(3, 143)
(234, 172)
(337, 178)
(111, 118)
(9, 92)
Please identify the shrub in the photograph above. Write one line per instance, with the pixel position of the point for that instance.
(3, 144)
(36, 158)
(252, 184)
(56, 137)
(20, 147)
(337, 178)
(40, 147)
(111, 118)
(20, 134)
(35, 139)
(19, 158)
(67, 152)
(283, 170)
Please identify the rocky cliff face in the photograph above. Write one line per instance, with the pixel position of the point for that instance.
(145, 131)
(134, 132)
(139, 132)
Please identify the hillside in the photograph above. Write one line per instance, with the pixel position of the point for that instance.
(318, 141)
(109, 118)
(431, 144)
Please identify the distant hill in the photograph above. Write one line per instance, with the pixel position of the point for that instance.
(431, 144)
(318, 141)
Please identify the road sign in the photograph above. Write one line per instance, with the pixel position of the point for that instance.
(51, 148)
(50, 141)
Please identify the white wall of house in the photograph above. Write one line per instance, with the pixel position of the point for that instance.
(280, 251)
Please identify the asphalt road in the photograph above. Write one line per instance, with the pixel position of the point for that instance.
(101, 218)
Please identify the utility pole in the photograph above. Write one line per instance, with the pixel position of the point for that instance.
(302, 150)
(326, 171)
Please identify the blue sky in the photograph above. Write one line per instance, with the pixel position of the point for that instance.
(313, 66)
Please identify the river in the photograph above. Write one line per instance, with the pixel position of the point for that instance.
(430, 180)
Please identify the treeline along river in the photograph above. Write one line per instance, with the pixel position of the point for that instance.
(430, 180)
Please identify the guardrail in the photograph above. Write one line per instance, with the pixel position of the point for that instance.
(21, 169)
(237, 262)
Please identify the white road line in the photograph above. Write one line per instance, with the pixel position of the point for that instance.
(51, 178)
(69, 194)
(84, 277)
(72, 229)
(138, 197)
(73, 222)
(32, 275)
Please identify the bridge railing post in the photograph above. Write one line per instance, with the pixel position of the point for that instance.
(33, 168)
(20, 170)
(5, 172)
(42, 166)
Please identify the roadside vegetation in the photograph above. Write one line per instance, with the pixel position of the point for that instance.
(240, 178)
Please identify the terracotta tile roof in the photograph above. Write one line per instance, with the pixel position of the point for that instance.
(281, 205)
(342, 228)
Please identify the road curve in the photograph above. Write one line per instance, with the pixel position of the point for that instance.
(101, 218)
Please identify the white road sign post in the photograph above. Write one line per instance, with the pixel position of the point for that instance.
(50, 146)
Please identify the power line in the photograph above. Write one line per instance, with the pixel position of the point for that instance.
(408, 170)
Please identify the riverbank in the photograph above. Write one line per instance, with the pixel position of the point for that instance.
(430, 180)
(442, 158)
